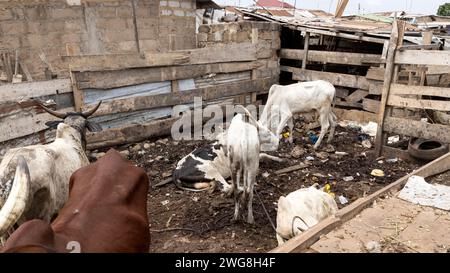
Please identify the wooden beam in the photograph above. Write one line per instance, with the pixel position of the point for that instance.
(78, 95)
(371, 105)
(339, 34)
(213, 54)
(375, 73)
(357, 95)
(331, 57)
(417, 129)
(305, 51)
(355, 115)
(423, 57)
(171, 99)
(26, 90)
(118, 78)
(418, 47)
(129, 134)
(398, 101)
(338, 79)
(375, 88)
(386, 87)
(401, 89)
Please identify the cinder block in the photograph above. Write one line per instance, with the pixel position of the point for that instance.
(112, 23)
(202, 37)
(174, 4)
(5, 14)
(118, 36)
(106, 12)
(178, 12)
(9, 42)
(163, 3)
(124, 12)
(13, 27)
(186, 5)
(243, 36)
(148, 33)
(149, 45)
(127, 46)
(204, 28)
(72, 12)
(166, 12)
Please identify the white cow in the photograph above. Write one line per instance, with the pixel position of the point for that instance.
(285, 101)
(50, 167)
(301, 210)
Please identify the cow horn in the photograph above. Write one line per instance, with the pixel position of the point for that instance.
(52, 112)
(88, 113)
(17, 199)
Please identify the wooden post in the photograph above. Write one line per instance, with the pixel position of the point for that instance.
(78, 96)
(386, 86)
(305, 48)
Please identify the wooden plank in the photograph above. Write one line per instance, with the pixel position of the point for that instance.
(386, 87)
(213, 54)
(417, 47)
(292, 168)
(331, 57)
(118, 78)
(357, 95)
(78, 95)
(26, 90)
(375, 88)
(340, 34)
(341, 92)
(338, 79)
(375, 73)
(301, 242)
(417, 129)
(171, 99)
(371, 105)
(348, 104)
(396, 152)
(398, 101)
(423, 57)
(129, 134)
(25, 123)
(305, 50)
(401, 89)
(355, 115)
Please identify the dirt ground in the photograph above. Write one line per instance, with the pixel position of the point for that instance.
(182, 221)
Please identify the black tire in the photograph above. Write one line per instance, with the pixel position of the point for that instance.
(426, 149)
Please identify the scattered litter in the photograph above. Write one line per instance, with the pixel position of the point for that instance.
(322, 155)
(363, 136)
(265, 174)
(285, 135)
(329, 149)
(166, 174)
(312, 137)
(146, 146)
(319, 175)
(366, 144)
(327, 189)
(348, 178)
(309, 158)
(393, 139)
(141, 152)
(167, 194)
(369, 128)
(391, 160)
(373, 247)
(343, 200)
(380, 161)
(195, 198)
(165, 202)
(341, 153)
(377, 172)
(418, 191)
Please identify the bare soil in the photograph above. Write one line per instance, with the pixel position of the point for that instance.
(183, 221)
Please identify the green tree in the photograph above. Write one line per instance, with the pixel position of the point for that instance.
(444, 10)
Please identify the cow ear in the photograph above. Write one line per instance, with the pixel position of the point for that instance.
(93, 127)
(53, 124)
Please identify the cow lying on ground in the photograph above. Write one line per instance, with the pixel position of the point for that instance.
(243, 152)
(285, 101)
(106, 212)
(50, 167)
(208, 167)
(301, 210)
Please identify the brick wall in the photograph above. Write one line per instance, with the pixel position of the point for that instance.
(42, 29)
(268, 41)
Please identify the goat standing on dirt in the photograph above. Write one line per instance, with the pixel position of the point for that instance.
(243, 149)
(285, 101)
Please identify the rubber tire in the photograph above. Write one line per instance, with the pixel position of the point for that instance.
(431, 154)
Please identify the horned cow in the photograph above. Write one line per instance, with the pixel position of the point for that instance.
(50, 167)
(106, 212)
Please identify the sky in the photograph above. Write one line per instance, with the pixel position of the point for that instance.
(366, 6)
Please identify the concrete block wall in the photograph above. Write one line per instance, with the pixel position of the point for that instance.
(265, 35)
(42, 30)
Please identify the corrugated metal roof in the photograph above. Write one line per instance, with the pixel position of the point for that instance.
(274, 3)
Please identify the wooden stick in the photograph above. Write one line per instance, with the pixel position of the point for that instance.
(386, 86)
(306, 47)
(292, 168)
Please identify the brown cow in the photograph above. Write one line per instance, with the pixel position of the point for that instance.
(106, 212)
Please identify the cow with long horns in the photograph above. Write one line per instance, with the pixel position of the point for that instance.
(42, 192)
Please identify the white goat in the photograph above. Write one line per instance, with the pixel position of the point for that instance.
(243, 149)
(285, 101)
(301, 210)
